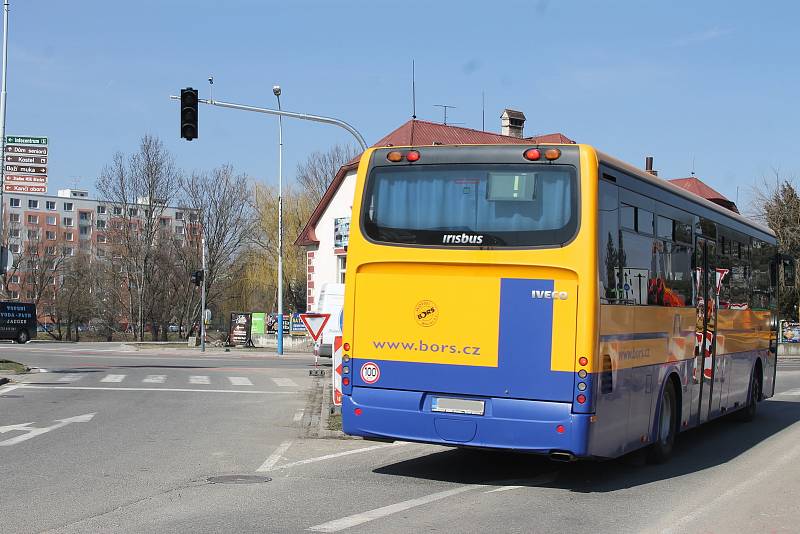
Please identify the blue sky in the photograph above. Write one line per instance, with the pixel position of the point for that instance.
(713, 82)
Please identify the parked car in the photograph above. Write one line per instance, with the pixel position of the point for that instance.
(17, 321)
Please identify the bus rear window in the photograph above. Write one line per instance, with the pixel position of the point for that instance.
(472, 205)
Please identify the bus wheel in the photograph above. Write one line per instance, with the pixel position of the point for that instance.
(661, 449)
(748, 413)
(22, 337)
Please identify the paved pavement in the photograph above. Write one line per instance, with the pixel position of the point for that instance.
(128, 443)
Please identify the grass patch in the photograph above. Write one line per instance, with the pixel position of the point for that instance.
(8, 366)
(335, 422)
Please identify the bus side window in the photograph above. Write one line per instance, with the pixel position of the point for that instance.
(607, 376)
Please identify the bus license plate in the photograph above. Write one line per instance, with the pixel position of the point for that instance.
(450, 405)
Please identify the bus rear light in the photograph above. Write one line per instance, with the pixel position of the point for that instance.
(532, 154)
(345, 370)
(560, 429)
(345, 381)
(412, 155)
(358, 411)
(346, 358)
(552, 153)
(581, 386)
(395, 156)
(346, 346)
(581, 398)
(583, 360)
(582, 373)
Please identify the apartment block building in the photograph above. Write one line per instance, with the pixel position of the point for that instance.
(46, 226)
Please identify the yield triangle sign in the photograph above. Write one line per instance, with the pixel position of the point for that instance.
(314, 323)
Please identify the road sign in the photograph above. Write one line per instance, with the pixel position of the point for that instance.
(26, 179)
(25, 140)
(19, 149)
(315, 322)
(337, 371)
(30, 160)
(24, 188)
(24, 164)
(370, 372)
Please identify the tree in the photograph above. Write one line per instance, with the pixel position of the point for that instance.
(316, 173)
(779, 208)
(138, 188)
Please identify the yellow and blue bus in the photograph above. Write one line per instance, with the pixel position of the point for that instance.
(548, 299)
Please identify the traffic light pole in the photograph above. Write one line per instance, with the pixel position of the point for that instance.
(203, 297)
(290, 114)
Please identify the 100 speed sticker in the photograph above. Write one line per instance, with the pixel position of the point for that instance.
(370, 372)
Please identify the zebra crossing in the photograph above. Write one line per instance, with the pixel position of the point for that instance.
(283, 383)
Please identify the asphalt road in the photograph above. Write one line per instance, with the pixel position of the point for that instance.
(162, 424)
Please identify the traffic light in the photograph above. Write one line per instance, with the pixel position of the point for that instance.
(196, 277)
(189, 113)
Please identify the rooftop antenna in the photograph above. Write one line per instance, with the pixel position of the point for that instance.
(692, 165)
(413, 92)
(445, 107)
(483, 111)
(211, 84)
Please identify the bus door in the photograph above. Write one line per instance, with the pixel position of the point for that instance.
(706, 377)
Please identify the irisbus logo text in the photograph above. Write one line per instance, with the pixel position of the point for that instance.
(553, 295)
(462, 239)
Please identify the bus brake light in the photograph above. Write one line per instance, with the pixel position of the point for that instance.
(532, 154)
(412, 155)
(581, 398)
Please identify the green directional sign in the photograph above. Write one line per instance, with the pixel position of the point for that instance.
(22, 140)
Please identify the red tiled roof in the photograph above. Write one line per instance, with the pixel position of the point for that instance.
(699, 188)
(420, 133)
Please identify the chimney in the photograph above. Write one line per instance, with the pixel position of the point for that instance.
(648, 165)
(512, 123)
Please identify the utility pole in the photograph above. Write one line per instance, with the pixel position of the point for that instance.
(3, 120)
(203, 295)
(279, 334)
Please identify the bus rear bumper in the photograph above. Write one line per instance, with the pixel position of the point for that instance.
(525, 425)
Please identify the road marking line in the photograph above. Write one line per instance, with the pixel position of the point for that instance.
(199, 380)
(339, 454)
(239, 381)
(113, 378)
(298, 416)
(285, 382)
(275, 457)
(795, 391)
(371, 515)
(33, 432)
(504, 488)
(187, 390)
(71, 377)
(155, 379)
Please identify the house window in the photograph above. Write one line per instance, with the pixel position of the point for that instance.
(101, 224)
(68, 206)
(14, 247)
(84, 230)
(50, 204)
(341, 267)
(52, 220)
(164, 222)
(33, 219)
(68, 236)
(178, 215)
(14, 279)
(33, 204)
(68, 221)
(33, 234)
(14, 202)
(13, 217)
(50, 251)
(179, 230)
(13, 295)
(101, 209)
(84, 216)
(192, 217)
(101, 238)
(14, 232)
(101, 253)
(69, 251)
(133, 212)
(51, 235)
(117, 210)
(31, 294)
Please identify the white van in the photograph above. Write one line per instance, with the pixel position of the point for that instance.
(331, 301)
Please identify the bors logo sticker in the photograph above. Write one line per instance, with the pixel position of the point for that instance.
(426, 313)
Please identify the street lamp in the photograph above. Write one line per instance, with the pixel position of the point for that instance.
(276, 90)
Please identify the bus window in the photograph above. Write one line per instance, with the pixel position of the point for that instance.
(665, 228)
(637, 255)
(627, 217)
(760, 255)
(672, 275)
(644, 221)
(608, 234)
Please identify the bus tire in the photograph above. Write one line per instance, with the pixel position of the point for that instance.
(22, 337)
(661, 449)
(748, 413)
